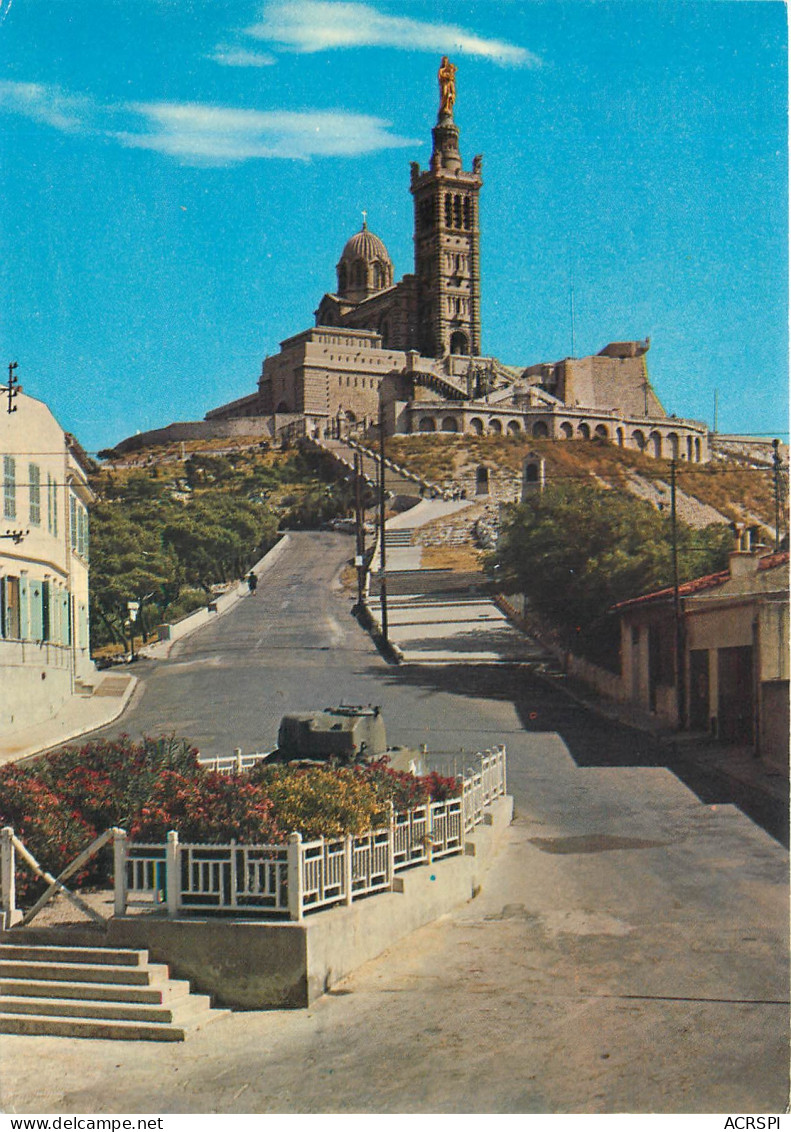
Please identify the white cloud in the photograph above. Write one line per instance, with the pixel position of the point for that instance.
(241, 57)
(217, 135)
(47, 104)
(320, 25)
(205, 134)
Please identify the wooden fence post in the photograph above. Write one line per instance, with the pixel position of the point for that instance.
(348, 868)
(295, 876)
(173, 873)
(119, 871)
(8, 876)
(391, 846)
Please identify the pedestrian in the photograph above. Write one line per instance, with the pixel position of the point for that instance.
(252, 582)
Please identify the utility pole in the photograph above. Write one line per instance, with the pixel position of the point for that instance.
(677, 616)
(359, 513)
(12, 389)
(383, 568)
(776, 466)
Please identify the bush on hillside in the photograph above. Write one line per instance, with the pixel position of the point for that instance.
(576, 551)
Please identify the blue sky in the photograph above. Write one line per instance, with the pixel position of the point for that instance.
(178, 179)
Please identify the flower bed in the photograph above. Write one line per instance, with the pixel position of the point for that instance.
(59, 803)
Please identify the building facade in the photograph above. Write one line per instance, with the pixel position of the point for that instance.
(728, 675)
(44, 554)
(414, 345)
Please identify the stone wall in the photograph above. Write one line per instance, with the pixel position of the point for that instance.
(198, 430)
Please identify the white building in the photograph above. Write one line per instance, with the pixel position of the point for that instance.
(44, 632)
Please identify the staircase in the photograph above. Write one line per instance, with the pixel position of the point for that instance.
(95, 992)
(398, 482)
(401, 536)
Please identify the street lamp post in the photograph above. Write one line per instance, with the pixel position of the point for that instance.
(677, 613)
(359, 513)
(382, 559)
(776, 465)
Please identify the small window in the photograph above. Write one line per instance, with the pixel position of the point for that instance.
(9, 487)
(34, 487)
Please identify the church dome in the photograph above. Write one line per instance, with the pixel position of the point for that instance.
(364, 267)
(366, 246)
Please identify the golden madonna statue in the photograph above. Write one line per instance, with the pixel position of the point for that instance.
(447, 86)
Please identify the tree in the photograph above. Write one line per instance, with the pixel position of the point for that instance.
(576, 551)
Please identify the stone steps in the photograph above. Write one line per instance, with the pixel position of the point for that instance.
(399, 537)
(94, 992)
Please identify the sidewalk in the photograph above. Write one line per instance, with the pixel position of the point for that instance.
(736, 763)
(84, 714)
(81, 714)
(434, 615)
(160, 650)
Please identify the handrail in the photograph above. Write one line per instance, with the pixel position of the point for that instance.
(56, 883)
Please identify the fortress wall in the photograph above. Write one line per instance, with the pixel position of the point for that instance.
(197, 430)
(619, 383)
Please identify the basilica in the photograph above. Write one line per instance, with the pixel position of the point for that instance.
(409, 350)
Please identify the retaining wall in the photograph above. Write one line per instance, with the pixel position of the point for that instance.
(253, 966)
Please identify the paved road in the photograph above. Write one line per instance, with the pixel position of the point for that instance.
(295, 646)
(627, 953)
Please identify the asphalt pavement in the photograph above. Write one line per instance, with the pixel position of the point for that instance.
(628, 952)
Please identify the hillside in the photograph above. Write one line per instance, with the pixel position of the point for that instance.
(171, 526)
(706, 492)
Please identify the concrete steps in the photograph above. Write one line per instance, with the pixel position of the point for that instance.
(95, 992)
(401, 536)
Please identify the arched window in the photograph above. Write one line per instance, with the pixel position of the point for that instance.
(513, 427)
(457, 210)
(495, 426)
(672, 444)
(697, 449)
(458, 343)
(638, 439)
(619, 437)
(540, 430)
(566, 431)
(467, 213)
(476, 424)
(426, 424)
(482, 480)
(655, 445)
(448, 210)
(450, 424)
(600, 432)
(584, 431)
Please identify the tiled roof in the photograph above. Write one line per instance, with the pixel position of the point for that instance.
(698, 585)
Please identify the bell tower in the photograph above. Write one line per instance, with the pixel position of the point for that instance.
(447, 263)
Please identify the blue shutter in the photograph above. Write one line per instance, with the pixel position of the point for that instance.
(23, 609)
(36, 611)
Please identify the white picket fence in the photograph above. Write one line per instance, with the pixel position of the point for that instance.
(235, 763)
(298, 877)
